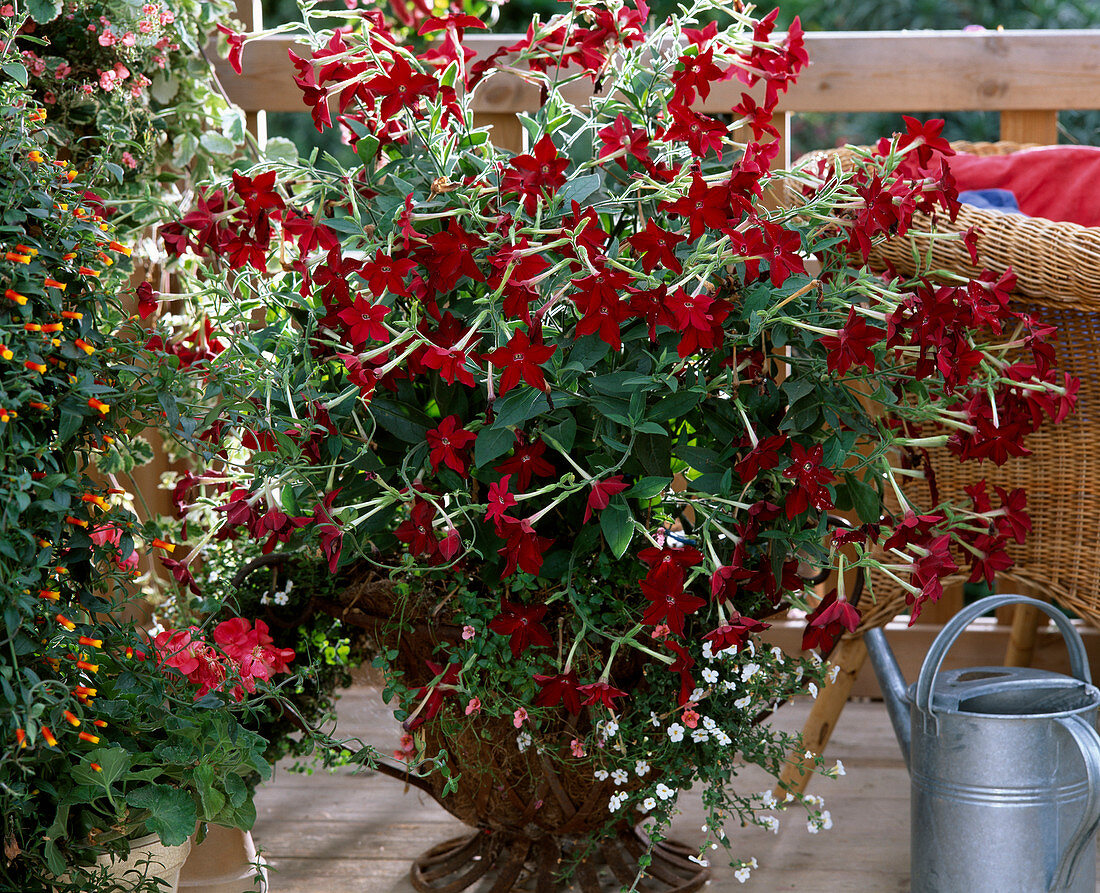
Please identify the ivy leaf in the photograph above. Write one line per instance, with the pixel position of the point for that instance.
(172, 812)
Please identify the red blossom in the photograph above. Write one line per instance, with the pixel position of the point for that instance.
(500, 500)
(600, 693)
(623, 139)
(669, 602)
(810, 477)
(682, 665)
(387, 274)
(656, 247)
(529, 175)
(523, 624)
(430, 697)
(521, 358)
(448, 443)
(734, 633)
(526, 461)
(599, 497)
(563, 688)
(148, 300)
(523, 547)
(828, 622)
(236, 47)
(401, 87)
(851, 345)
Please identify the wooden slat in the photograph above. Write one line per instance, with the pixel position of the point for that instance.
(849, 71)
(507, 132)
(1030, 126)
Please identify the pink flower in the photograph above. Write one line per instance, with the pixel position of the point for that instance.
(468, 632)
(106, 39)
(49, 97)
(252, 650)
(473, 708)
(7, 11)
(121, 71)
(519, 717)
(64, 69)
(107, 80)
(129, 39)
(691, 718)
(577, 747)
(111, 534)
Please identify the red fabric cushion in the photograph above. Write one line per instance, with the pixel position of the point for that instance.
(1055, 182)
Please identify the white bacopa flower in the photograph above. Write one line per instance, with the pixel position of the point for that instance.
(771, 823)
(812, 826)
(620, 777)
(708, 652)
(812, 688)
(767, 800)
(777, 653)
(654, 719)
(727, 685)
(742, 874)
(523, 741)
(834, 671)
(616, 801)
(281, 599)
(664, 791)
(709, 723)
(748, 671)
(722, 738)
(699, 860)
(265, 599)
(601, 774)
(696, 694)
(838, 769)
(826, 820)
(710, 675)
(675, 732)
(642, 768)
(751, 646)
(610, 728)
(742, 703)
(700, 735)
(649, 804)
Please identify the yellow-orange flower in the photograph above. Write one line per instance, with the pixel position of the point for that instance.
(13, 295)
(84, 346)
(17, 258)
(72, 718)
(53, 283)
(90, 643)
(65, 622)
(40, 368)
(99, 405)
(89, 737)
(48, 736)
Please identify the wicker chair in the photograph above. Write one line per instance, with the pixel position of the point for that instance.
(1058, 265)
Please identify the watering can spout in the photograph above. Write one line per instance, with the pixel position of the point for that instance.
(893, 686)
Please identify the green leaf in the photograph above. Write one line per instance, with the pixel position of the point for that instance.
(68, 426)
(17, 71)
(648, 487)
(491, 443)
(674, 406)
(399, 420)
(173, 815)
(578, 189)
(213, 800)
(561, 435)
(796, 389)
(617, 524)
(280, 149)
(43, 11)
(865, 499)
(216, 144)
(519, 406)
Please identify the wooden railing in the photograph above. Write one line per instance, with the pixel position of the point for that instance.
(1025, 76)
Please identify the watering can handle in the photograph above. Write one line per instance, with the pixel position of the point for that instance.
(1089, 742)
(1078, 659)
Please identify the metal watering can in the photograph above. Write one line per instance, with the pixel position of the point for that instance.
(1005, 766)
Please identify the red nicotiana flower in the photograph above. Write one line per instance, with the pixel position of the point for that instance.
(529, 174)
(621, 139)
(387, 274)
(523, 624)
(258, 194)
(563, 688)
(698, 73)
(669, 603)
(851, 345)
(364, 322)
(430, 697)
(448, 442)
(418, 532)
(500, 500)
(656, 247)
(763, 456)
(521, 358)
(600, 693)
(599, 497)
(828, 622)
(705, 207)
(989, 557)
(734, 633)
(682, 665)
(665, 562)
(810, 477)
(401, 87)
(526, 462)
(523, 547)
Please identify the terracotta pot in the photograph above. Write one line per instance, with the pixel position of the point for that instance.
(225, 862)
(148, 858)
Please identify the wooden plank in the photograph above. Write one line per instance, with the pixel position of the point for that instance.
(870, 71)
(983, 644)
(1030, 126)
(507, 132)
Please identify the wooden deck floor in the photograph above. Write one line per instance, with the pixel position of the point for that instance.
(339, 833)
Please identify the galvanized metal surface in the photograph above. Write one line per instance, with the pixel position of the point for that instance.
(1005, 768)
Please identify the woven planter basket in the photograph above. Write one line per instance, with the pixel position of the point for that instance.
(1058, 268)
(1056, 263)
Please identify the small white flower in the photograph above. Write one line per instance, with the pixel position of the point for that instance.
(649, 804)
(742, 703)
(664, 791)
(710, 675)
(777, 653)
(601, 774)
(812, 688)
(748, 671)
(675, 732)
(722, 738)
(265, 599)
(654, 719)
(709, 723)
(620, 777)
(523, 741)
(616, 801)
(838, 769)
(826, 820)
(641, 768)
(708, 653)
(771, 823)
(816, 659)
(696, 695)
(809, 755)
(700, 735)
(751, 646)
(281, 599)
(699, 860)
(727, 685)
(742, 874)
(767, 800)
(610, 728)
(834, 671)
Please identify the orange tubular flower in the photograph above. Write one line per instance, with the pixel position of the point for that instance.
(53, 283)
(96, 767)
(13, 295)
(72, 314)
(129, 652)
(89, 737)
(65, 622)
(34, 404)
(48, 736)
(70, 175)
(72, 718)
(36, 157)
(5, 352)
(107, 259)
(26, 249)
(40, 368)
(76, 522)
(97, 404)
(84, 665)
(50, 594)
(4, 417)
(107, 439)
(53, 327)
(17, 258)
(21, 737)
(99, 723)
(84, 346)
(161, 544)
(87, 271)
(32, 327)
(90, 643)
(119, 247)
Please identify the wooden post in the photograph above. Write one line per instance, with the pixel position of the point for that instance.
(507, 132)
(1030, 126)
(251, 14)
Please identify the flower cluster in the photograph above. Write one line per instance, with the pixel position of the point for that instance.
(583, 403)
(240, 655)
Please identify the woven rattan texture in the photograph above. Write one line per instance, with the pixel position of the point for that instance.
(1055, 262)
